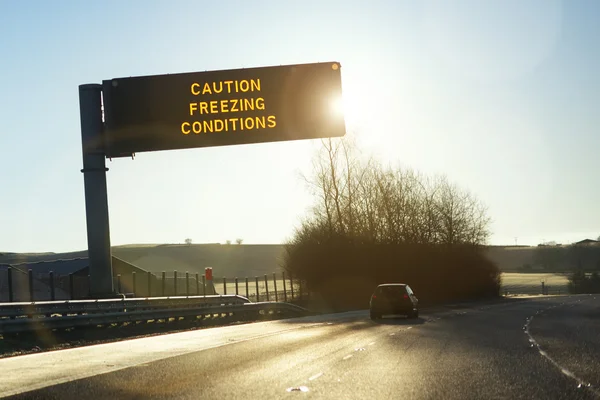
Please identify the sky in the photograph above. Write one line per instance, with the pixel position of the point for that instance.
(503, 97)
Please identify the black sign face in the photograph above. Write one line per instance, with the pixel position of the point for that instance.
(218, 108)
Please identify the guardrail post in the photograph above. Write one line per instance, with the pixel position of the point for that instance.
(246, 287)
(72, 287)
(292, 286)
(119, 283)
(275, 287)
(149, 284)
(197, 284)
(257, 295)
(187, 283)
(164, 279)
(284, 288)
(224, 285)
(133, 283)
(236, 287)
(52, 292)
(175, 283)
(267, 287)
(30, 273)
(204, 285)
(10, 284)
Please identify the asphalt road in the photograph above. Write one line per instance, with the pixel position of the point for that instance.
(542, 348)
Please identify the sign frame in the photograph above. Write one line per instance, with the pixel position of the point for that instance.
(281, 103)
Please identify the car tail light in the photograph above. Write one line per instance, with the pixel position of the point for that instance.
(405, 296)
(374, 296)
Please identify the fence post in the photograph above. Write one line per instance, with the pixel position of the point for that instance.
(149, 284)
(257, 296)
(284, 288)
(292, 285)
(187, 283)
(267, 287)
(72, 286)
(175, 283)
(10, 285)
(52, 292)
(164, 278)
(197, 284)
(133, 283)
(246, 287)
(300, 288)
(204, 285)
(224, 285)
(236, 287)
(30, 273)
(275, 287)
(118, 283)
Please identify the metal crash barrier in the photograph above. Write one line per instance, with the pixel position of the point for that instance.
(23, 317)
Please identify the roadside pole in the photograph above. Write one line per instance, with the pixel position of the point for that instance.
(96, 198)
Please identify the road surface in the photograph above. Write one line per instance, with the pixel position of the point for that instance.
(539, 348)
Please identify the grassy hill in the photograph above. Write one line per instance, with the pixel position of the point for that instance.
(226, 260)
(232, 260)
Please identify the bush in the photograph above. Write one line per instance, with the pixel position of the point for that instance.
(580, 282)
(345, 274)
(372, 225)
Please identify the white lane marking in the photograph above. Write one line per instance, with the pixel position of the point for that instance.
(371, 344)
(392, 334)
(315, 376)
(563, 370)
(410, 327)
(347, 357)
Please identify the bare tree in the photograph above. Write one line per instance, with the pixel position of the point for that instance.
(366, 201)
(188, 241)
(239, 241)
(228, 242)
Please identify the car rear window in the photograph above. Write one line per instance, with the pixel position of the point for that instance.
(391, 291)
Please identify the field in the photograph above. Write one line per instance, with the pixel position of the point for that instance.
(516, 283)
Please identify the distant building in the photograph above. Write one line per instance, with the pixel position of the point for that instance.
(587, 242)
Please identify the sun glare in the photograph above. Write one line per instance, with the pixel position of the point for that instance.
(338, 107)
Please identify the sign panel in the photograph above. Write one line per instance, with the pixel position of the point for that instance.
(218, 108)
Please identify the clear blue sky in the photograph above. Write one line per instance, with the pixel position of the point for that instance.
(501, 96)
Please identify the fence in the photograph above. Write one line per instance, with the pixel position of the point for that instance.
(19, 286)
(534, 289)
(273, 287)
